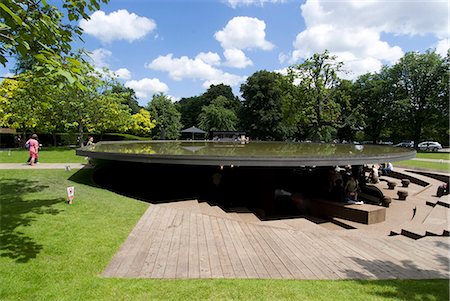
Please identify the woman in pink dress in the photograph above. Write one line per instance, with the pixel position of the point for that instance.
(34, 148)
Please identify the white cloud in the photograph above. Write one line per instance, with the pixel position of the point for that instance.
(100, 57)
(244, 33)
(413, 17)
(146, 87)
(196, 69)
(442, 47)
(118, 25)
(236, 3)
(236, 58)
(209, 58)
(123, 73)
(353, 30)
(359, 48)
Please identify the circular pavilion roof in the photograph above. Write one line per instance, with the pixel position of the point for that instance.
(264, 154)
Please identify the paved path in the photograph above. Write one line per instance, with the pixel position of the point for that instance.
(43, 166)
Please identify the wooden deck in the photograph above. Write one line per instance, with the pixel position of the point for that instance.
(190, 240)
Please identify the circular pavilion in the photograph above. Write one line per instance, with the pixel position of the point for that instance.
(262, 154)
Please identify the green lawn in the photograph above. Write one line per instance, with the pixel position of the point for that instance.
(46, 155)
(438, 166)
(54, 251)
(435, 156)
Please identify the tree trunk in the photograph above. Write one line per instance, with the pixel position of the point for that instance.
(80, 134)
(54, 139)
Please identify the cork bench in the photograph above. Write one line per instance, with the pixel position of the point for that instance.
(365, 214)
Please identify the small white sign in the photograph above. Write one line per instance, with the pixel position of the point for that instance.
(70, 193)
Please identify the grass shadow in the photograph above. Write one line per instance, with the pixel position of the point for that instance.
(17, 212)
(84, 176)
(433, 284)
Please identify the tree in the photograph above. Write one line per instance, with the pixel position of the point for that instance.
(129, 97)
(421, 85)
(229, 102)
(216, 117)
(318, 80)
(375, 91)
(35, 29)
(142, 123)
(167, 118)
(261, 111)
(190, 108)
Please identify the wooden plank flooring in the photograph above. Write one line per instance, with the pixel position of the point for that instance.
(180, 243)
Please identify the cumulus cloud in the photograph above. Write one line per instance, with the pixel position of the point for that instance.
(100, 57)
(197, 69)
(236, 3)
(118, 25)
(236, 58)
(123, 73)
(146, 87)
(361, 49)
(244, 33)
(442, 47)
(414, 17)
(352, 30)
(209, 58)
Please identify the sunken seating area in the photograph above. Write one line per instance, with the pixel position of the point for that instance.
(365, 214)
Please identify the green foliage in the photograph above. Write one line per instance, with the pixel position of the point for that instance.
(167, 118)
(318, 81)
(421, 86)
(129, 97)
(35, 31)
(191, 107)
(216, 117)
(142, 123)
(261, 112)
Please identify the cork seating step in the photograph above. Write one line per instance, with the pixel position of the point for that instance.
(437, 231)
(207, 209)
(365, 213)
(188, 205)
(444, 201)
(414, 231)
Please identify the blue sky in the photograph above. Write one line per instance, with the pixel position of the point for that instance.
(181, 47)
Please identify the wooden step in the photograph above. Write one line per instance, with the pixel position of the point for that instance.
(413, 231)
(444, 201)
(187, 205)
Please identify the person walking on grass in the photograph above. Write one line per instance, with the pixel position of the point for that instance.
(34, 149)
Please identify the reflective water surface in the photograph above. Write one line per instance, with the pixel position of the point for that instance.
(252, 149)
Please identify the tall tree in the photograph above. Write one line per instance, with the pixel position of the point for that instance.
(216, 117)
(318, 80)
(129, 97)
(376, 92)
(225, 91)
(420, 82)
(190, 108)
(167, 117)
(262, 112)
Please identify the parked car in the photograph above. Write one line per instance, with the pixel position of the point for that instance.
(429, 146)
(405, 144)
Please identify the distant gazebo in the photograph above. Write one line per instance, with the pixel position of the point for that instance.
(193, 131)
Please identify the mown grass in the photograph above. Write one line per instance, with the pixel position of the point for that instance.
(437, 166)
(46, 155)
(54, 251)
(432, 155)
